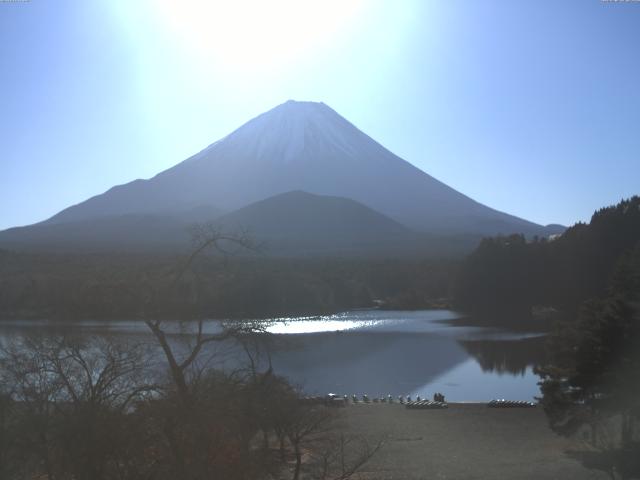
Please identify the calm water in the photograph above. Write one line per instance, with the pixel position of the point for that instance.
(373, 352)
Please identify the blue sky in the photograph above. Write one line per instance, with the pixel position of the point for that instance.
(530, 107)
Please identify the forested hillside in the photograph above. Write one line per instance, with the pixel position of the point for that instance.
(69, 287)
(590, 382)
(511, 275)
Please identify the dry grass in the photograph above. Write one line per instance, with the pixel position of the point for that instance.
(466, 441)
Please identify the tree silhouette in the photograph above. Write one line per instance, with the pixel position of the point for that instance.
(592, 384)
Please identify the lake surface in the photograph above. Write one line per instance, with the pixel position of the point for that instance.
(372, 351)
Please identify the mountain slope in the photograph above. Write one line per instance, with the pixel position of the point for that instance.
(131, 231)
(293, 223)
(303, 146)
(300, 222)
(108, 233)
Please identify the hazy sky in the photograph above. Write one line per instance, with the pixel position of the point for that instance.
(530, 107)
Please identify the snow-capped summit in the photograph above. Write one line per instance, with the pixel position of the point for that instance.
(286, 132)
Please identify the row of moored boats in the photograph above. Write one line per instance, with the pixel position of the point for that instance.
(438, 401)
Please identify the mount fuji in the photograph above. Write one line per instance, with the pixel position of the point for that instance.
(296, 146)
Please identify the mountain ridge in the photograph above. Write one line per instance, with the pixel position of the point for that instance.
(302, 146)
(293, 222)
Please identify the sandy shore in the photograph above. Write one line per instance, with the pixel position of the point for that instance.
(465, 441)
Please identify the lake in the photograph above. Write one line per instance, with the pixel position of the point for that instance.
(370, 351)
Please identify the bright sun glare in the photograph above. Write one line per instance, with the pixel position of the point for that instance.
(252, 34)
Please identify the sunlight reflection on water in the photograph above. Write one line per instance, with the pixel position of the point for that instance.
(364, 351)
(291, 327)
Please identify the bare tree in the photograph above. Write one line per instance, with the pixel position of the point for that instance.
(6, 430)
(342, 456)
(317, 431)
(306, 424)
(73, 395)
(268, 402)
(188, 425)
(205, 237)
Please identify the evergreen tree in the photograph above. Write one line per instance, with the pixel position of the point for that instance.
(593, 381)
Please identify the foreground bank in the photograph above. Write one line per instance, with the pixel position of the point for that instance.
(466, 442)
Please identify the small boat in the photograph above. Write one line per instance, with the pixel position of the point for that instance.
(426, 405)
(502, 403)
